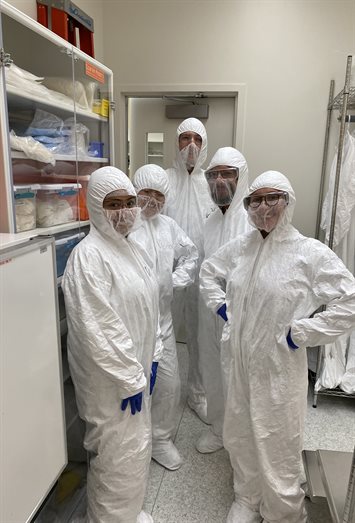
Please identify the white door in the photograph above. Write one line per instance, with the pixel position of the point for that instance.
(151, 135)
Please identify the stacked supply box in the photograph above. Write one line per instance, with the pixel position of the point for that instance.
(57, 204)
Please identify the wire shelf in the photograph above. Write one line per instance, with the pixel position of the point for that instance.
(328, 392)
(337, 102)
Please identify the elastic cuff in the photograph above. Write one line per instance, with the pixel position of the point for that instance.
(290, 342)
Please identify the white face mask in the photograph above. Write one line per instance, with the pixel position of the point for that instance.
(222, 191)
(150, 206)
(189, 155)
(124, 220)
(266, 218)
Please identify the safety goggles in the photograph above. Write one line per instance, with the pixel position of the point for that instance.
(271, 199)
(230, 173)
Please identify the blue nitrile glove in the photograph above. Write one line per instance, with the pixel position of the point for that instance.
(222, 311)
(153, 376)
(290, 342)
(135, 402)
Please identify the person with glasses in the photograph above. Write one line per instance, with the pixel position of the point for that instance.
(112, 301)
(227, 177)
(188, 203)
(272, 280)
(175, 260)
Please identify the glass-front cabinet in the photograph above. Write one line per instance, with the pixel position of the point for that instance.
(56, 127)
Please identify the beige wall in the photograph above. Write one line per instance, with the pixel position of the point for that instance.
(285, 51)
(93, 8)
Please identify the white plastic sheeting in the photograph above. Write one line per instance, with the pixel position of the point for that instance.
(339, 357)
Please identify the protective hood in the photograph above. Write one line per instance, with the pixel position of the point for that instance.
(276, 180)
(233, 158)
(151, 176)
(102, 182)
(221, 228)
(194, 125)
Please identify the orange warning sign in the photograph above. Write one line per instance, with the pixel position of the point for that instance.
(94, 72)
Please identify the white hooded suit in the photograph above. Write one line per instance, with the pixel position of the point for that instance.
(219, 229)
(175, 260)
(189, 203)
(111, 298)
(272, 284)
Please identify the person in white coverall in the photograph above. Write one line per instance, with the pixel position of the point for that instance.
(275, 279)
(111, 299)
(227, 177)
(188, 203)
(175, 260)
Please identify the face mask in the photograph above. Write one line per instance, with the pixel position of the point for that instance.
(266, 218)
(150, 206)
(189, 155)
(123, 220)
(222, 191)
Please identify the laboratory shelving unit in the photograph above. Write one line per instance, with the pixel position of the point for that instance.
(34, 48)
(331, 474)
(344, 102)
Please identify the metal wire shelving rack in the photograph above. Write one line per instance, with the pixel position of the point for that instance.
(344, 102)
(331, 474)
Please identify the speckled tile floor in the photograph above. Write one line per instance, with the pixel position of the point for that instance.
(201, 490)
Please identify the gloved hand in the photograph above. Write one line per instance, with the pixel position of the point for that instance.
(222, 311)
(134, 401)
(290, 342)
(153, 376)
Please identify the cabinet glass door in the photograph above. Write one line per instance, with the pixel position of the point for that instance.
(93, 85)
(41, 95)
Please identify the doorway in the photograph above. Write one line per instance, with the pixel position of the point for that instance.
(151, 133)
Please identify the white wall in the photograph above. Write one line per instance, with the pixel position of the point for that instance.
(285, 51)
(93, 8)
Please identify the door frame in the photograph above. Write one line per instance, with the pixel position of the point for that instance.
(236, 91)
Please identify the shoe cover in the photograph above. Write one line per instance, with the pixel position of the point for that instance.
(144, 517)
(209, 442)
(242, 514)
(166, 454)
(200, 409)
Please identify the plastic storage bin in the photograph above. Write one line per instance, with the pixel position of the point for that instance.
(57, 204)
(25, 206)
(96, 149)
(83, 186)
(63, 248)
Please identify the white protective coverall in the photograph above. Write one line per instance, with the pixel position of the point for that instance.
(111, 299)
(339, 362)
(175, 259)
(272, 284)
(219, 229)
(189, 203)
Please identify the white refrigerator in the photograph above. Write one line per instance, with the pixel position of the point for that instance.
(33, 449)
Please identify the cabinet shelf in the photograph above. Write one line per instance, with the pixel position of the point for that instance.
(28, 100)
(55, 229)
(62, 157)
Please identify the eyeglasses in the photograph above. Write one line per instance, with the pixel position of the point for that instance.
(226, 174)
(271, 199)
